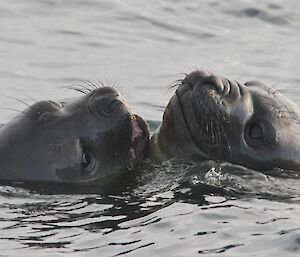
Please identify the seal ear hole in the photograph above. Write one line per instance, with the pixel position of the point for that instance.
(254, 133)
(88, 161)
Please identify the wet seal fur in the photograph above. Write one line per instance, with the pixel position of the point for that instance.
(211, 117)
(85, 140)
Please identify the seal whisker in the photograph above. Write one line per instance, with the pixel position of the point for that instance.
(20, 101)
(78, 87)
(283, 89)
(279, 105)
(102, 84)
(183, 74)
(220, 130)
(216, 140)
(206, 134)
(78, 90)
(94, 84)
(287, 90)
(30, 97)
(218, 143)
(272, 89)
(201, 115)
(86, 84)
(89, 84)
(97, 84)
(128, 155)
(210, 136)
(115, 148)
(176, 83)
(85, 87)
(26, 114)
(212, 131)
(202, 122)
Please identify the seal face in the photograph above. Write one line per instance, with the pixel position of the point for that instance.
(211, 117)
(84, 140)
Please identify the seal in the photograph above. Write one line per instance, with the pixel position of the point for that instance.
(211, 117)
(84, 140)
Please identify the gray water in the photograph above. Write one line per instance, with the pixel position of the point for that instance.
(179, 208)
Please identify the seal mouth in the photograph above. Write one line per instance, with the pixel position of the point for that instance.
(188, 127)
(202, 109)
(139, 137)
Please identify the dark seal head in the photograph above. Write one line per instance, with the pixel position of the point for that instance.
(84, 140)
(211, 117)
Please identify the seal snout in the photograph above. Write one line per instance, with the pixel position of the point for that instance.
(212, 84)
(106, 102)
(202, 80)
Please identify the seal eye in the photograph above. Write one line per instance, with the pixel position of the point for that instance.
(254, 134)
(88, 161)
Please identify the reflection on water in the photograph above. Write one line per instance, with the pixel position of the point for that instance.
(179, 208)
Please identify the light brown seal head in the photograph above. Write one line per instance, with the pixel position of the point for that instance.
(211, 117)
(84, 140)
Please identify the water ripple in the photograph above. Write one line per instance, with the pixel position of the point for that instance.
(178, 208)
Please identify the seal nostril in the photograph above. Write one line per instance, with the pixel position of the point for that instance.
(216, 83)
(105, 106)
(220, 85)
(112, 105)
(227, 87)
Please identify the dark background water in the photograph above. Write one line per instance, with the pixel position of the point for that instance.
(179, 208)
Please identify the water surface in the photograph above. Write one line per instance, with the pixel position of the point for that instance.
(179, 208)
